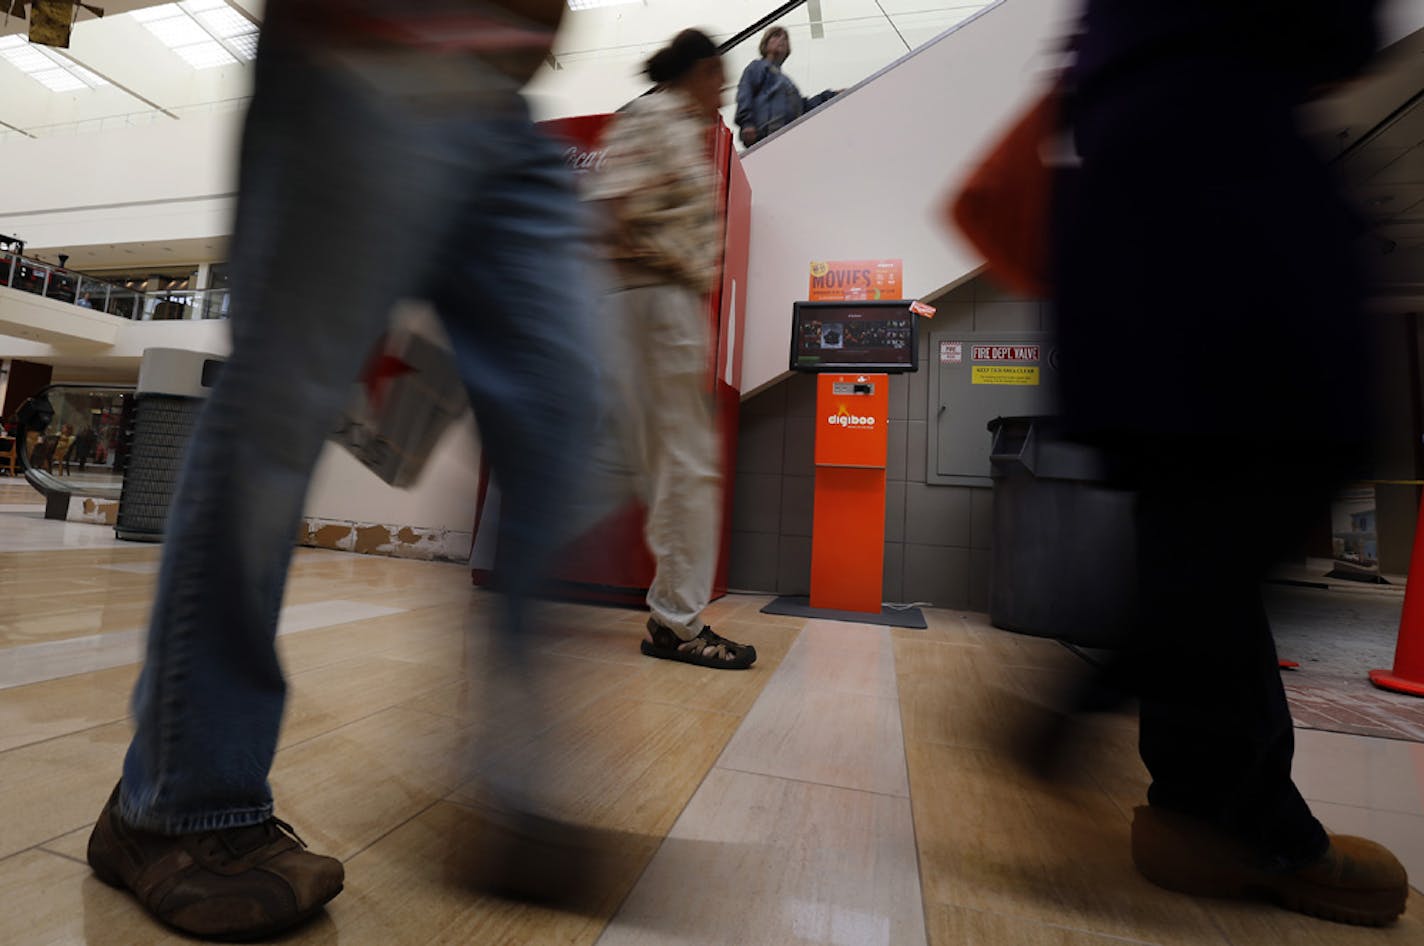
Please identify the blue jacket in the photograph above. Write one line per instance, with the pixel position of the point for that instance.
(768, 100)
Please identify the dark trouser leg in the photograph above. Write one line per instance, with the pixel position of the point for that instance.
(1216, 731)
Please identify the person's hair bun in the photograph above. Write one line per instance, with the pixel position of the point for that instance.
(677, 58)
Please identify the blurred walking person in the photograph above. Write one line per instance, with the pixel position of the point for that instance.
(1201, 228)
(664, 244)
(387, 154)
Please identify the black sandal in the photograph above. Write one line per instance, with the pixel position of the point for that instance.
(724, 654)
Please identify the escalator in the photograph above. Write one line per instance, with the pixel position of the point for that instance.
(72, 442)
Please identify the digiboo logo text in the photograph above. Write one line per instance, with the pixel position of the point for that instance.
(844, 418)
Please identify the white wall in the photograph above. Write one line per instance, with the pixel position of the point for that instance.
(865, 176)
(443, 498)
(170, 180)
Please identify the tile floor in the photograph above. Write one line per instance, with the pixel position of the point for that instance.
(845, 791)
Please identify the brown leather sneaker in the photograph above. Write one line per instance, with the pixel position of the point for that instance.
(1355, 881)
(234, 884)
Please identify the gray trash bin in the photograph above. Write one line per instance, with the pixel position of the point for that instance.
(1063, 562)
(172, 386)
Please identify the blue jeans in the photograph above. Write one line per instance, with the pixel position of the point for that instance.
(365, 178)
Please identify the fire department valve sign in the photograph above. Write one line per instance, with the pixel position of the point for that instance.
(1005, 364)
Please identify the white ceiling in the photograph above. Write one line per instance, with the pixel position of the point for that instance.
(1375, 128)
(130, 258)
(1379, 134)
(594, 69)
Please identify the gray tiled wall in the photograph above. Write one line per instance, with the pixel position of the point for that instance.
(936, 537)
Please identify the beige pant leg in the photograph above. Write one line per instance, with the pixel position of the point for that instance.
(673, 448)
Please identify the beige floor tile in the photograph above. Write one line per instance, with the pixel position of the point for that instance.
(1387, 774)
(777, 871)
(1250, 924)
(567, 688)
(430, 634)
(965, 697)
(42, 711)
(345, 789)
(610, 642)
(994, 840)
(958, 926)
(825, 736)
(73, 845)
(63, 904)
(747, 607)
(54, 787)
(400, 892)
(954, 695)
(625, 765)
(734, 692)
(946, 627)
(328, 698)
(847, 658)
(78, 615)
(1018, 650)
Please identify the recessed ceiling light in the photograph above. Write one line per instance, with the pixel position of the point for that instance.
(47, 67)
(205, 33)
(205, 55)
(594, 4)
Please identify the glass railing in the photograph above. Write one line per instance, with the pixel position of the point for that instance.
(90, 292)
(70, 439)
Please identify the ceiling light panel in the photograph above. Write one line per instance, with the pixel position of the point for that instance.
(29, 60)
(595, 4)
(151, 14)
(245, 46)
(205, 33)
(47, 67)
(178, 31)
(225, 22)
(205, 55)
(58, 80)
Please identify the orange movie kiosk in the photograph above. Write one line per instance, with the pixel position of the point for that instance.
(848, 528)
(854, 346)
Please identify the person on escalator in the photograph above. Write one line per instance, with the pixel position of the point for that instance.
(767, 99)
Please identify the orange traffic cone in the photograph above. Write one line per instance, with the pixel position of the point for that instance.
(1408, 673)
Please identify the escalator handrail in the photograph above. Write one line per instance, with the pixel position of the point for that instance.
(42, 480)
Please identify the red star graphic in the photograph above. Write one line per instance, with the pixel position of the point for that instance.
(378, 373)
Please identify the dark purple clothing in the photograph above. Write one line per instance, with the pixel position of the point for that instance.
(1210, 257)
(1209, 310)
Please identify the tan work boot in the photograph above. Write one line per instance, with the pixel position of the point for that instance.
(237, 883)
(1355, 881)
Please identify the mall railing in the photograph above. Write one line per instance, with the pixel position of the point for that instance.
(71, 441)
(90, 292)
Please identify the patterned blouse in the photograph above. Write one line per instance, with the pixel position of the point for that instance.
(659, 168)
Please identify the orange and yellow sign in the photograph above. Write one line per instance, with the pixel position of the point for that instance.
(837, 280)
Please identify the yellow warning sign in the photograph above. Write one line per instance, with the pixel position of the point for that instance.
(1005, 374)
